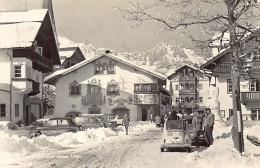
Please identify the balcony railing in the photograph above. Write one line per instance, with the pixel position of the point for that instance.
(187, 78)
(250, 97)
(188, 91)
(224, 68)
(40, 62)
(91, 99)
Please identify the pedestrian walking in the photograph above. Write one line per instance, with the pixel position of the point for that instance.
(197, 127)
(126, 122)
(208, 125)
(158, 121)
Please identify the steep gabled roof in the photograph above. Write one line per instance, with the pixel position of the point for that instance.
(20, 28)
(186, 65)
(51, 78)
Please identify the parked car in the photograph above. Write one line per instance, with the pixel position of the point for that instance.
(12, 129)
(111, 117)
(105, 122)
(57, 126)
(176, 134)
(88, 122)
(41, 122)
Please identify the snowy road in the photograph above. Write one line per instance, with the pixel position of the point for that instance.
(136, 151)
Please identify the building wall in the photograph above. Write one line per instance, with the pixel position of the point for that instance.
(124, 75)
(225, 98)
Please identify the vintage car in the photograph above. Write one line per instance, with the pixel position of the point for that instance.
(111, 117)
(176, 134)
(12, 129)
(56, 126)
(105, 122)
(88, 122)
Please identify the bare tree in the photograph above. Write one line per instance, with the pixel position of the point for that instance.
(237, 17)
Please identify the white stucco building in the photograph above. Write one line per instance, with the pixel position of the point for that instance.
(28, 48)
(220, 67)
(109, 84)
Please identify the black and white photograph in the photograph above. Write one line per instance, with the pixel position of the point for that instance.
(129, 83)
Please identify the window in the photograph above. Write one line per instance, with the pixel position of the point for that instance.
(254, 86)
(112, 89)
(3, 110)
(229, 86)
(93, 89)
(182, 86)
(191, 99)
(16, 108)
(177, 100)
(145, 88)
(187, 99)
(200, 86)
(99, 68)
(192, 86)
(187, 86)
(201, 99)
(75, 89)
(18, 71)
(110, 68)
(255, 114)
(177, 87)
(63, 122)
(68, 65)
(230, 112)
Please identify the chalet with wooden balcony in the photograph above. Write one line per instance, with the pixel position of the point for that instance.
(189, 87)
(108, 84)
(28, 49)
(220, 68)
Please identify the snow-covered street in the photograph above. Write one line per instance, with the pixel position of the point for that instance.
(106, 148)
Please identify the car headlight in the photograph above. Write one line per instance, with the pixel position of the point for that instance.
(176, 140)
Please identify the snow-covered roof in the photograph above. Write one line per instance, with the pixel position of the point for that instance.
(19, 28)
(35, 15)
(63, 72)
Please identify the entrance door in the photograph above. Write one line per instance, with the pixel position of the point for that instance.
(121, 112)
(255, 114)
(144, 114)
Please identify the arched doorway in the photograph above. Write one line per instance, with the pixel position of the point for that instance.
(121, 111)
(144, 114)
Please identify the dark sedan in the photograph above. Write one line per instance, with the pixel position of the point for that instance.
(57, 126)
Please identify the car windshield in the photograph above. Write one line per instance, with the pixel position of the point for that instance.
(81, 119)
(11, 126)
(174, 124)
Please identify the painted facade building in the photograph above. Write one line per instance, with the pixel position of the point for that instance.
(189, 87)
(28, 48)
(108, 84)
(220, 67)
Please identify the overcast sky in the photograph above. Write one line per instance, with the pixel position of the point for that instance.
(97, 22)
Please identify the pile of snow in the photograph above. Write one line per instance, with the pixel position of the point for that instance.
(14, 146)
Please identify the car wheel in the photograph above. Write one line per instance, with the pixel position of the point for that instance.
(162, 150)
(36, 134)
(71, 131)
(188, 150)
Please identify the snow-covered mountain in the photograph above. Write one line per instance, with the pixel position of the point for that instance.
(163, 58)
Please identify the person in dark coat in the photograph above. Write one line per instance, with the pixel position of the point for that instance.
(208, 124)
(126, 121)
(197, 127)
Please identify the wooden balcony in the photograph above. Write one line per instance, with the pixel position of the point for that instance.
(39, 62)
(147, 92)
(247, 97)
(188, 91)
(224, 68)
(91, 99)
(187, 78)
(35, 89)
(255, 66)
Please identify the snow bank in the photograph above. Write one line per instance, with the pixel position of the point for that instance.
(14, 146)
